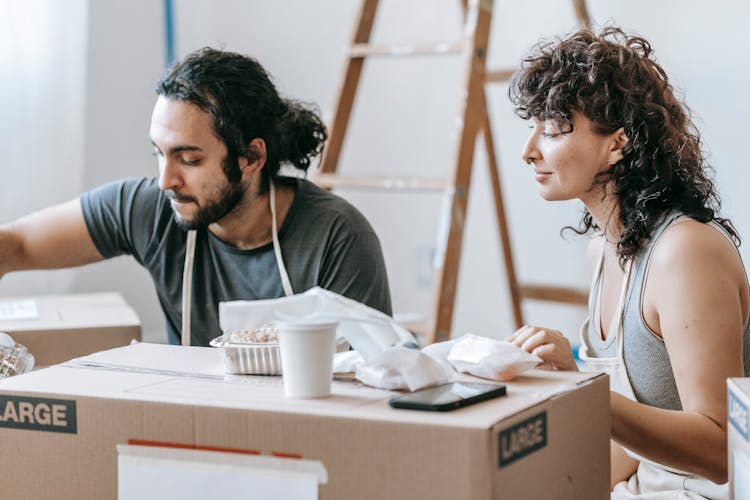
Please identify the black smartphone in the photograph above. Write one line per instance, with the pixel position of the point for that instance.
(448, 396)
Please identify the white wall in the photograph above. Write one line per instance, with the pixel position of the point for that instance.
(42, 97)
(403, 122)
(125, 57)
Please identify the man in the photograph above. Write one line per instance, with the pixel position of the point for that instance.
(219, 215)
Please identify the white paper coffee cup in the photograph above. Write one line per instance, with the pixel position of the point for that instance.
(307, 357)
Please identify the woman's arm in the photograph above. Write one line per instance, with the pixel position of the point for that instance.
(696, 299)
(622, 465)
(686, 440)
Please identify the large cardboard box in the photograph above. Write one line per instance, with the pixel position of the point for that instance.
(64, 327)
(60, 429)
(738, 438)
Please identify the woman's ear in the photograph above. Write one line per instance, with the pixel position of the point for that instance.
(619, 141)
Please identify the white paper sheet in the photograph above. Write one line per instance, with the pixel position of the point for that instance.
(161, 473)
(12, 310)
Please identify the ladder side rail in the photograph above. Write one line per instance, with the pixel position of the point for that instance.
(348, 89)
(502, 224)
(447, 259)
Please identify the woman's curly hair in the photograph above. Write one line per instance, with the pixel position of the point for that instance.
(612, 79)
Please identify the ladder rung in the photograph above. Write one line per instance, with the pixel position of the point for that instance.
(554, 294)
(358, 50)
(415, 183)
(499, 75)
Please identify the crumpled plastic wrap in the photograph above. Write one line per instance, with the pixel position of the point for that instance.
(484, 357)
(400, 368)
(14, 358)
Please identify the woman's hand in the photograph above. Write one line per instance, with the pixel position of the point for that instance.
(551, 346)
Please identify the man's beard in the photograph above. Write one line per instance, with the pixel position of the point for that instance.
(213, 209)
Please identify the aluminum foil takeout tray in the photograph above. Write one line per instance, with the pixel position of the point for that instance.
(253, 352)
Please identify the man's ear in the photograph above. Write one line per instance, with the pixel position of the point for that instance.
(619, 141)
(256, 156)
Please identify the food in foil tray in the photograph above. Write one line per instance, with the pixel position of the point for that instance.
(255, 351)
(250, 351)
(264, 335)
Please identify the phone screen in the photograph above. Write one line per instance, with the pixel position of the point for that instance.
(448, 396)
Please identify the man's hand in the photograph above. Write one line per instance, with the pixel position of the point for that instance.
(551, 346)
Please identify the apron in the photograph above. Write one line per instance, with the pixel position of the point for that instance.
(651, 481)
(187, 273)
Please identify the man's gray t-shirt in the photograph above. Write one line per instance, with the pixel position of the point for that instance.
(324, 241)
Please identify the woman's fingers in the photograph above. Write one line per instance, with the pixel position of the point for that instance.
(551, 346)
(528, 337)
(557, 356)
(522, 334)
(540, 337)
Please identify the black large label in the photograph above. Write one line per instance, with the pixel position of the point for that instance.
(38, 414)
(523, 438)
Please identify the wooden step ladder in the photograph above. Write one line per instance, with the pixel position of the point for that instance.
(475, 119)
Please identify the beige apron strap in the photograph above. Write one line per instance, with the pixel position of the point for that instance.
(596, 276)
(285, 281)
(187, 272)
(187, 286)
(616, 322)
(613, 366)
(593, 303)
(583, 349)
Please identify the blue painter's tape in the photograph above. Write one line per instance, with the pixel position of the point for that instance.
(169, 45)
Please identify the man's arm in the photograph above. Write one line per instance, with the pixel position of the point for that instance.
(52, 238)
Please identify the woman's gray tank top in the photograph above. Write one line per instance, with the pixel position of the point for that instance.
(645, 354)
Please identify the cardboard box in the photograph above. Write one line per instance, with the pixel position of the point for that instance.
(548, 438)
(738, 436)
(68, 326)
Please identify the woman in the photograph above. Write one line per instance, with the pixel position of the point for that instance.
(669, 298)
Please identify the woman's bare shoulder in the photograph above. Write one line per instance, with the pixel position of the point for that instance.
(697, 259)
(692, 243)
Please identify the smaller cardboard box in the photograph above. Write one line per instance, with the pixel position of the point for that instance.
(103, 425)
(738, 437)
(56, 328)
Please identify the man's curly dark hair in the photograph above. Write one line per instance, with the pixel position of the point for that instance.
(242, 100)
(613, 80)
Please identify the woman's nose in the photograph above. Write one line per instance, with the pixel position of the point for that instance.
(530, 153)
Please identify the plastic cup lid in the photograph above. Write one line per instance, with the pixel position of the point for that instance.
(314, 324)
